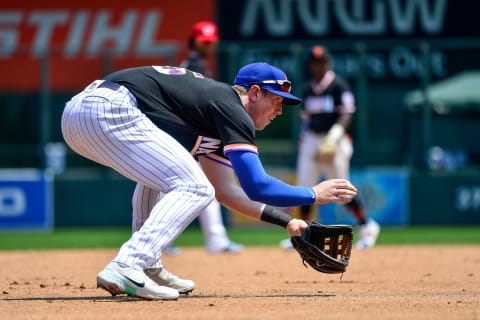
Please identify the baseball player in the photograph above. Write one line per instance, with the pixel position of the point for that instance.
(201, 43)
(325, 149)
(148, 123)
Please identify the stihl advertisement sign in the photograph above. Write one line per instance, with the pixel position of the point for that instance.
(79, 38)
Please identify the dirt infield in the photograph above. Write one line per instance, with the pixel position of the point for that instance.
(403, 282)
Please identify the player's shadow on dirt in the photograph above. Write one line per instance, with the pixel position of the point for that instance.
(123, 298)
(273, 295)
(96, 298)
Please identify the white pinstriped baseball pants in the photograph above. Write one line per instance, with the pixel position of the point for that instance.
(104, 125)
(210, 219)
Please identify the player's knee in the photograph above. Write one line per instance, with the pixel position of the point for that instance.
(203, 191)
(210, 191)
(207, 194)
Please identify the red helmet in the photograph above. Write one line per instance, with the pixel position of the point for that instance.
(320, 53)
(205, 31)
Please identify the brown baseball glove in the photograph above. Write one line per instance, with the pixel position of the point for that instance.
(326, 248)
(326, 151)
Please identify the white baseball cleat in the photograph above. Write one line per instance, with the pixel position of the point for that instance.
(232, 247)
(118, 278)
(172, 250)
(368, 234)
(164, 278)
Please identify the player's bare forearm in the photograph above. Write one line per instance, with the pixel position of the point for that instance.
(345, 120)
(233, 197)
(228, 192)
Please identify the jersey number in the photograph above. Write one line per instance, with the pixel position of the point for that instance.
(176, 71)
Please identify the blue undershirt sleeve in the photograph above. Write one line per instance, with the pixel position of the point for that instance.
(261, 187)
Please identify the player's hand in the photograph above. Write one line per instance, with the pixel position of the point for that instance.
(334, 190)
(295, 227)
(326, 151)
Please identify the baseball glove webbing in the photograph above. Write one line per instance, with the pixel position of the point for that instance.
(326, 248)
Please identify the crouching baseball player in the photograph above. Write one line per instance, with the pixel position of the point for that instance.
(149, 124)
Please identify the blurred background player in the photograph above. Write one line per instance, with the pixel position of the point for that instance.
(201, 44)
(325, 148)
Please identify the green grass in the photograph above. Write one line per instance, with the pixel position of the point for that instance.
(258, 236)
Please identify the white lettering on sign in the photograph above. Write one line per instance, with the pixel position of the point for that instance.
(12, 202)
(467, 198)
(9, 21)
(45, 23)
(87, 32)
(353, 18)
(400, 62)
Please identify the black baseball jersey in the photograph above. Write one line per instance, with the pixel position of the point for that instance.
(190, 107)
(324, 105)
(196, 63)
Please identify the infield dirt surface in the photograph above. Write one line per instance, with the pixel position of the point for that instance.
(385, 282)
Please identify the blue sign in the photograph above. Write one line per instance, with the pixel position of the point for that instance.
(26, 198)
(383, 193)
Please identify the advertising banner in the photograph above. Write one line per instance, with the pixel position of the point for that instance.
(384, 194)
(447, 198)
(347, 19)
(26, 200)
(79, 37)
(390, 32)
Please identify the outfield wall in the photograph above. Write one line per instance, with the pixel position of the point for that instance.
(393, 196)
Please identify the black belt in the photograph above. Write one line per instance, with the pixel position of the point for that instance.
(109, 85)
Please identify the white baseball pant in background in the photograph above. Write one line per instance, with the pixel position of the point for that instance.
(309, 171)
